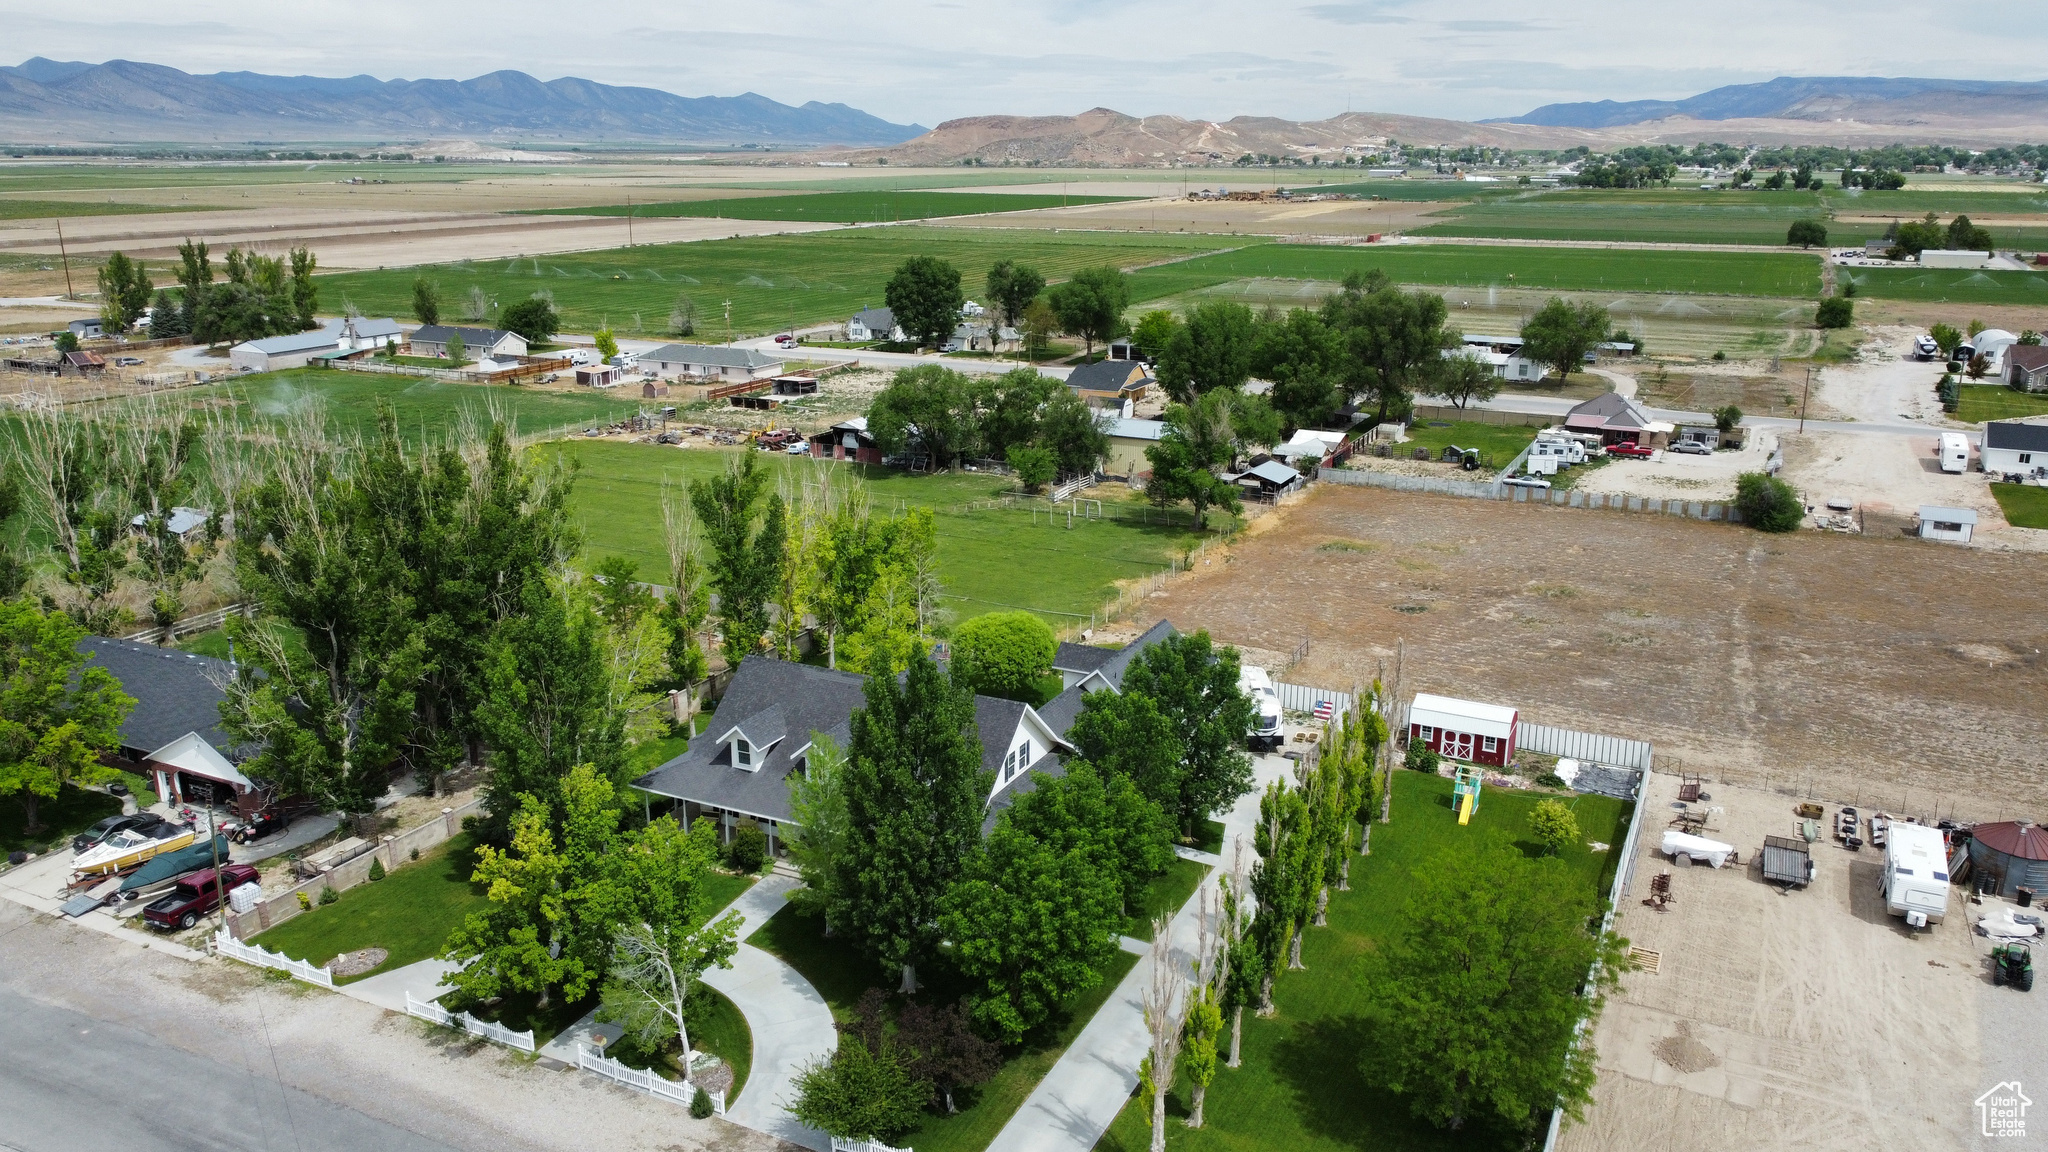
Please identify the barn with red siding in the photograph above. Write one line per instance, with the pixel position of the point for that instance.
(1463, 729)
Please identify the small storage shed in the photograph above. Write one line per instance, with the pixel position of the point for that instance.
(1951, 524)
(597, 376)
(2014, 853)
(847, 440)
(1463, 729)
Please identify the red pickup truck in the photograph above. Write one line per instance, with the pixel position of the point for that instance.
(1627, 449)
(195, 896)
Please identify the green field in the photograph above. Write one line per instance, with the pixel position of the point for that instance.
(1911, 203)
(841, 207)
(1300, 1087)
(1670, 217)
(988, 560)
(772, 281)
(424, 407)
(1950, 285)
(2025, 506)
(1981, 402)
(137, 174)
(1561, 269)
(46, 209)
(1406, 190)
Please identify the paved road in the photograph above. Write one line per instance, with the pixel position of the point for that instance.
(72, 1083)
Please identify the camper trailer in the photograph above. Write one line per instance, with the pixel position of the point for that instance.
(1266, 734)
(1916, 874)
(1955, 452)
(1564, 451)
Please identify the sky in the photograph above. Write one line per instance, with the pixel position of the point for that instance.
(924, 61)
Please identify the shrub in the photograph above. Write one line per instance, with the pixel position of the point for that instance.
(305, 902)
(1767, 503)
(1553, 826)
(1834, 312)
(1004, 654)
(1551, 780)
(700, 1105)
(1727, 419)
(748, 849)
(1720, 355)
(328, 895)
(414, 855)
(1421, 757)
(376, 869)
(1035, 467)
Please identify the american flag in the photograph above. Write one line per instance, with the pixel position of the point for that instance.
(1325, 709)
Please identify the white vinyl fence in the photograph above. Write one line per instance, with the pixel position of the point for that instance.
(645, 1080)
(234, 949)
(463, 1021)
(1302, 698)
(839, 1145)
(1611, 750)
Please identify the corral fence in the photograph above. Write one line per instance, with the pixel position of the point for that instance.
(226, 945)
(464, 1022)
(1559, 497)
(1612, 750)
(645, 1080)
(393, 851)
(204, 622)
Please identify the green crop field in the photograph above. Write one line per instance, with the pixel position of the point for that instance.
(2023, 199)
(1951, 285)
(1561, 269)
(1409, 190)
(45, 209)
(1656, 216)
(425, 408)
(988, 560)
(770, 280)
(841, 207)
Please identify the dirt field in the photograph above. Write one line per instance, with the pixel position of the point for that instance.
(1808, 1019)
(1250, 218)
(1903, 673)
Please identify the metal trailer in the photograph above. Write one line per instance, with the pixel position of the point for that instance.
(1787, 861)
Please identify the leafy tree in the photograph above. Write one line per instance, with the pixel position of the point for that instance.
(1835, 312)
(1091, 305)
(914, 790)
(606, 343)
(1465, 379)
(617, 592)
(1478, 991)
(744, 560)
(124, 292)
(660, 951)
(1040, 322)
(1154, 331)
(1275, 881)
(1009, 408)
(1727, 419)
(457, 350)
(1035, 467)
(57, 715)
(1195, 442)
(1968, 237)
(1254, 423)
(1003, 654)
(1127, 734)
(1916, 236)
(426, 301)
(1107, 814)
(682, 319)
(1767, 503)
(1068, 430)
(1194, 684)
(305, 291)
(67, 342)
(1213, 349)
(929, 407)
(946, 1052)
(1807, 233)
(1304, 359)
(818, 839)
(534, 318)
(1947, 338)
(1198, 1048)
(1560, 334)
(1011, 289)
(1553, 826)
(924, 294)
(1392, 340)
(688, 603)
(861, 1093)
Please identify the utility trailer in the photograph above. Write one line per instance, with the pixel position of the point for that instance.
(1787, 861)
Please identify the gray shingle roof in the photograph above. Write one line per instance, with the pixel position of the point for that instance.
(2016, 436)
(996, 720)
(1611, 410)
(713, 354)
(876, 319)
(172, 690)
(1108, 376)
(1080, 657)
(1113, 669)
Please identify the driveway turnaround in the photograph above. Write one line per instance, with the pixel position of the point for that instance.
(789, 1020)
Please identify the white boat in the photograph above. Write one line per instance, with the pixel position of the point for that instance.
(127, 848)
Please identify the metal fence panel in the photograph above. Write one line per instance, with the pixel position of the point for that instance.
(1362, 478)
(1613, 750)
(1303, 698)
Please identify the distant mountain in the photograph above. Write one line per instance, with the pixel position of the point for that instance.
(44, 100)
(1869, 99)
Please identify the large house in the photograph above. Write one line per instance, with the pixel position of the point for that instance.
(715, 361)
(173, 736)
(1617, 419)
(1110, 382)
(2015, 448)
(766, 724)
(477, 343)
(2026, 367)
(874, 324)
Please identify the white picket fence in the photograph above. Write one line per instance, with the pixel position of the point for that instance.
(463, 1021)
(226, 945)
(646, 1080)
(839, 1145)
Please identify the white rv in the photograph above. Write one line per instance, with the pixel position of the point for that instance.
(1266, 734)
(1565, 451)
(1916, 874)
(1955, 452)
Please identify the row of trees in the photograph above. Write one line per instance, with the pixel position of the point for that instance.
(1916, 236)
(261, 296)
(535, 317)
(926, 298)
(1035, 423)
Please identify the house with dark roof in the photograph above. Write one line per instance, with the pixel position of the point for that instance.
(874, 324)
(711, 360)
(477, 343)
(764, 730)
(1110, 382)
(173, 735)
(1617, 419)
(2015, 448)
(2026, 367)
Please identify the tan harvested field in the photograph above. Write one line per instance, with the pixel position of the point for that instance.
(1884, 671)
(1247, 217)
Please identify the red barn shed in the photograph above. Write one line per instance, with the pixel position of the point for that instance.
(1462, 729)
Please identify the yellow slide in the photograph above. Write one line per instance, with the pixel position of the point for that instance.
(1465, 808)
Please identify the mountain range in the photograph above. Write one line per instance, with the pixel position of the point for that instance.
(68, 101)
(1902, 101)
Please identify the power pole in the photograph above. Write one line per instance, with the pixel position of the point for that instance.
(66, 254)
(1804, 393)
(629, 221)
(728, 321)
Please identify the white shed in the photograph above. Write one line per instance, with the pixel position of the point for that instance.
(1951, 524)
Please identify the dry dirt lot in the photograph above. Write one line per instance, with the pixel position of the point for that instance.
(1224, 217)
(1808, 1019)
(1910, 674)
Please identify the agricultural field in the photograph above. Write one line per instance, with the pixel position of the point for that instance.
(142, 174)
(1416, 190)
(1466, 265)
(988, 560)
(12, 209)
(1301, 1086)
(1910, 202)
(771, 281)
(1949, 285)
(426, 409)
(840, 207)
(1668, 217)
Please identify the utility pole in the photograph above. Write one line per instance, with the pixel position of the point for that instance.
(629, 221)
(66, 254)
(1803, 394)
(728, 321)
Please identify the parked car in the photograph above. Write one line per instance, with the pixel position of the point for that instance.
(1526, 482)
(266, 823)
(1635, 450)
(785, 340)
(1693, 448)
(139, 822)
(127, 361)
(195, 896)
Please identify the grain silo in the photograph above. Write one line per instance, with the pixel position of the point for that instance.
(2013, 853)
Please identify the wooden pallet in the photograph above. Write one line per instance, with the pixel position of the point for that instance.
(1646, 959)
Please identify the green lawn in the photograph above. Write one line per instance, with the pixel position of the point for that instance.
(1980, 402)
(63, 816)
(1951, 285)
(425, 408)
(408, 913)
(842, 207)
(1165, 895)
(723, 1032)
(1300, 1087)
(1665, 216)
(988, 560)
(772, 281)
(1499, 442)
(840, 975)
(1561, 269)
(2024, 506)
(11, 209)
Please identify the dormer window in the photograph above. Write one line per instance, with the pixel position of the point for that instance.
(742, 753)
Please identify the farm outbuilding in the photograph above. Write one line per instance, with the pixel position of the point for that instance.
(1951, 524)
(2013, 853)
(847, 440)
(1463, 729)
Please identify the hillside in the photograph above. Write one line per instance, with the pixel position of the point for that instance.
(1903, 101)
(121, 100)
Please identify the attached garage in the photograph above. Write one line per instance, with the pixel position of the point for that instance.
(1463, 729)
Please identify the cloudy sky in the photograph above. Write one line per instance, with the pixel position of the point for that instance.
(929, 60)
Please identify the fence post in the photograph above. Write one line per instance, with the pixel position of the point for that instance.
(448, 820)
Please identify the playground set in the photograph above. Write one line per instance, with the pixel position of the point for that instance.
(1465, 791)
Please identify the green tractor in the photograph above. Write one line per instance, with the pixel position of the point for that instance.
(2013, 964)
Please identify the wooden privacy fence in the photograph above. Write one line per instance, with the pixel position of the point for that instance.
(464, 1022)
(226, 945)
(1616, 751)
(393, 851)
(646, 1080)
